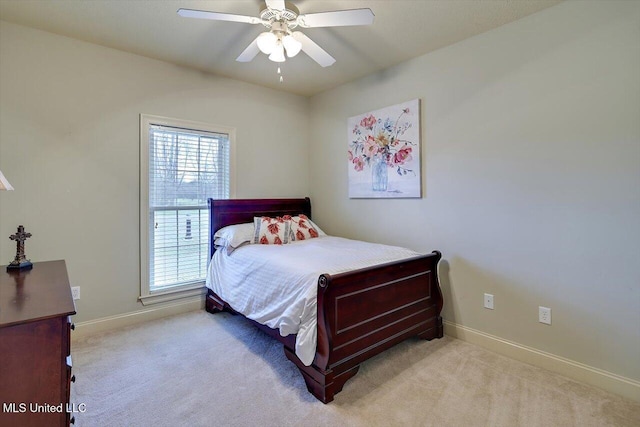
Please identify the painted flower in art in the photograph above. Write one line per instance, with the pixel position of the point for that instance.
(382, 140)
(402, 156)
(371, 146)
(358, 164)
(376, 138)
(368, 122)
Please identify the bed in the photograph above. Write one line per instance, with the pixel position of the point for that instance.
(360, 313)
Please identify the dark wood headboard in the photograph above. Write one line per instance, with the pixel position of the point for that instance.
(225, 212)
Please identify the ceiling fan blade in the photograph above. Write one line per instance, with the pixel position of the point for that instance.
(338, 18)
(217, 16)
(314, 51)
(275, 4)
(250, 52)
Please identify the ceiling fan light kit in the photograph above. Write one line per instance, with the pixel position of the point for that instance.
(280, 19)
(272, 43)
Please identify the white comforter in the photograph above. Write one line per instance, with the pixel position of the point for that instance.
(276, 285)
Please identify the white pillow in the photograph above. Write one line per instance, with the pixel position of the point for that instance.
(233, 236)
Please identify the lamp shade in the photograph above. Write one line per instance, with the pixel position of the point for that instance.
(291, 45)
(267, 42)
(4, 184)
(278, 54)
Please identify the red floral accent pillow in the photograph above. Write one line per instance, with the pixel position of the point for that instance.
(302, 228)
(271, 231)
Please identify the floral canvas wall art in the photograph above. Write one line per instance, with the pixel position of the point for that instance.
(384, 152)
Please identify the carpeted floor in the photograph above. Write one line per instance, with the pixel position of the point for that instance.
(199, 369)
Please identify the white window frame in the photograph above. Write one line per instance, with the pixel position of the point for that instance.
(195, 289)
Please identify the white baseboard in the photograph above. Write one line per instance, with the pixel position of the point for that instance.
(91, 327)
(608, 381)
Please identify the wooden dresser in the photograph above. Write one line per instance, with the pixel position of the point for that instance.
(35, 344)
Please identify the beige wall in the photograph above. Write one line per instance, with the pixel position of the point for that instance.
(531, 178)
(69, 144)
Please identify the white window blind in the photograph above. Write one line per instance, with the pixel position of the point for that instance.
(186, 166)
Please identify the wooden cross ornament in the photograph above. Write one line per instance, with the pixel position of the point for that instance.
(20, 262)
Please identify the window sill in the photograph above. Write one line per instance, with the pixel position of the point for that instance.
(174, 294)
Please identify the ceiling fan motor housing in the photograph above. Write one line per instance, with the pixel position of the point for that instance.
(288, 16)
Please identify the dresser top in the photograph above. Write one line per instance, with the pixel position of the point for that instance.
(30, 295)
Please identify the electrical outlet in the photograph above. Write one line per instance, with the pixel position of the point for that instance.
(75, 292)
(544, 315)
(488, 301)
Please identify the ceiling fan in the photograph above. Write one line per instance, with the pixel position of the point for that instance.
(281, 19)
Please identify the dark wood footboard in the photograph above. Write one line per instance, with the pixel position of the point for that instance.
(364, 312)
(361, 313)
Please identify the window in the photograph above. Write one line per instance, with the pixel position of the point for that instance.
(182, 164)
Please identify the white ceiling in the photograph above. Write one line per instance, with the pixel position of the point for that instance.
(402, 29)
